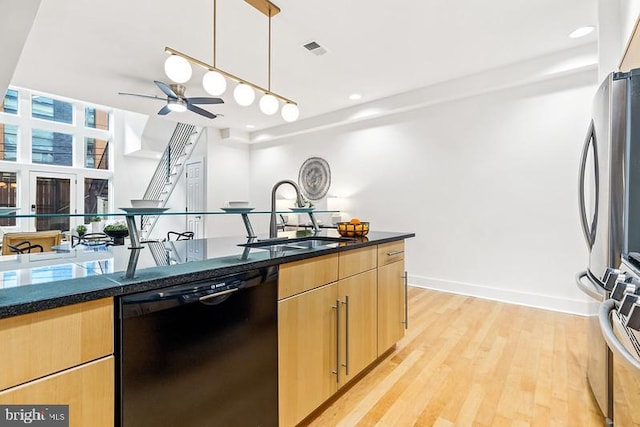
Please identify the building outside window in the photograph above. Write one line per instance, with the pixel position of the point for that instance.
(96, 119)
(8, 142)
(52, 148)
(51, 109)
(96, 196)
(8, 192)
(96, 153)
(10, 103)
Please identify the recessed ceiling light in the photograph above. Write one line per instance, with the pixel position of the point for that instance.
(355, 96)
(581, 32)
(251, 127)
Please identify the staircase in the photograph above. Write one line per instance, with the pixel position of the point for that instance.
(169, 170)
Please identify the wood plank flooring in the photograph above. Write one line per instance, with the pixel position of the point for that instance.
(472, 362)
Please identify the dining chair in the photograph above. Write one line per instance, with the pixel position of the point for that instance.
(25, 247)
(45, 239)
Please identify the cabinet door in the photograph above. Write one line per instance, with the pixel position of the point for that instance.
(37, 344)
(359, 326)
(307, 352)
(391, 301)
(88, 390)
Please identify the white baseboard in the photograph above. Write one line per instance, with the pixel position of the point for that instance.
(564, 305)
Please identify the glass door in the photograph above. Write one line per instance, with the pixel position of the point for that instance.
(52, 193)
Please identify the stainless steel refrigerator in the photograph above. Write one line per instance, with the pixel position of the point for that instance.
(601, 201)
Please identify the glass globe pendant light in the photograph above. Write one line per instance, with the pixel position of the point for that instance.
(214, 83)
(177, 69)
(290, 112)
(269, 104)
(244, 94)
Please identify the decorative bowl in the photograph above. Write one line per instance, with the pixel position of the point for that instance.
(347, 229)
(144, 203)
(237, 204)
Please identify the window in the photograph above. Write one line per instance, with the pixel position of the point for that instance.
(96, 153)
(10, 103)
(51, 109)
(8, 192)
(52, 148)
(96, 196)
(8, 142)
(96, 119)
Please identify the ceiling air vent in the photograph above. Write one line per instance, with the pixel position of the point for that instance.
(315, 48)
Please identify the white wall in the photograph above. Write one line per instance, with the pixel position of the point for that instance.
(487, 183)
(227, 179)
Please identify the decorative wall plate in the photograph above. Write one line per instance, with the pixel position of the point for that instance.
(314, 178)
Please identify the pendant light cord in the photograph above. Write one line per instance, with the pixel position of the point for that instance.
(269, 61)
(213, 42)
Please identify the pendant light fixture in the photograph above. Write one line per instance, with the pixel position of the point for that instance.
(214, 82)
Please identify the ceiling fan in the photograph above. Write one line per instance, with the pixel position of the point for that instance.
(176, 101)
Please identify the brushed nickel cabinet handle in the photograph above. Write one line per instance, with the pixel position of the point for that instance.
(337, 371)
(346, 335)
(406, 301)
(392, 253)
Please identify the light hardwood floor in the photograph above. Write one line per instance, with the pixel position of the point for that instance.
(472, 362)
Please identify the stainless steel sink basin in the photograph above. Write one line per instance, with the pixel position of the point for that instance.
(295, 244)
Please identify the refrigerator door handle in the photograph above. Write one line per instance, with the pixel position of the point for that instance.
(592, 290)
(590, 142)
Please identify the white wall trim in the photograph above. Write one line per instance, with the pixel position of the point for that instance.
(547, 302)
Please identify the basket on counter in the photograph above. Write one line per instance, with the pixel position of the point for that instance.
(348, 229)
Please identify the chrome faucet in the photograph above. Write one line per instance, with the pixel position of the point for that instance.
(301, 202)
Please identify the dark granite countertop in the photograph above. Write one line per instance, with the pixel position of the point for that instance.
(39, 281)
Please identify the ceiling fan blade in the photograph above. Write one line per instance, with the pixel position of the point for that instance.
(205, 100)
(200, 111)
(164, 111)
(166, 89)
(142, 96)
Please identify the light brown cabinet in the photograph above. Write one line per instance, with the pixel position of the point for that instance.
(631, 56)
(88, 389)
(359, 320)
(61, 356)
(391, 295)
(307, 343)
(328, 332)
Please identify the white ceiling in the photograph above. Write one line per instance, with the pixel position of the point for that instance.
(90, 50)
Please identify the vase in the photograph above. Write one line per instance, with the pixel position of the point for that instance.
(117, 236)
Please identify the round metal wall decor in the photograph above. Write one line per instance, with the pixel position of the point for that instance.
(314, 178)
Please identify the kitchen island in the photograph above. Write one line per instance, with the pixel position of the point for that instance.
(57, 330)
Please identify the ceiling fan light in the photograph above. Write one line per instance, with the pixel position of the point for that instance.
(214, 83)
(290, 112)
(244, 94)
(269, 104)
(177, 69)
(177, 105)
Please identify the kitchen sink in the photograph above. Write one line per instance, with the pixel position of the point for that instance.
(295, 244)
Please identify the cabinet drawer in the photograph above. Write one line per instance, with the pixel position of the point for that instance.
(357, 261)
(87, 389)
(390, 252)
(44, 342)
(299, 276)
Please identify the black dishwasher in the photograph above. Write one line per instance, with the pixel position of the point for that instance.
(200, 354)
